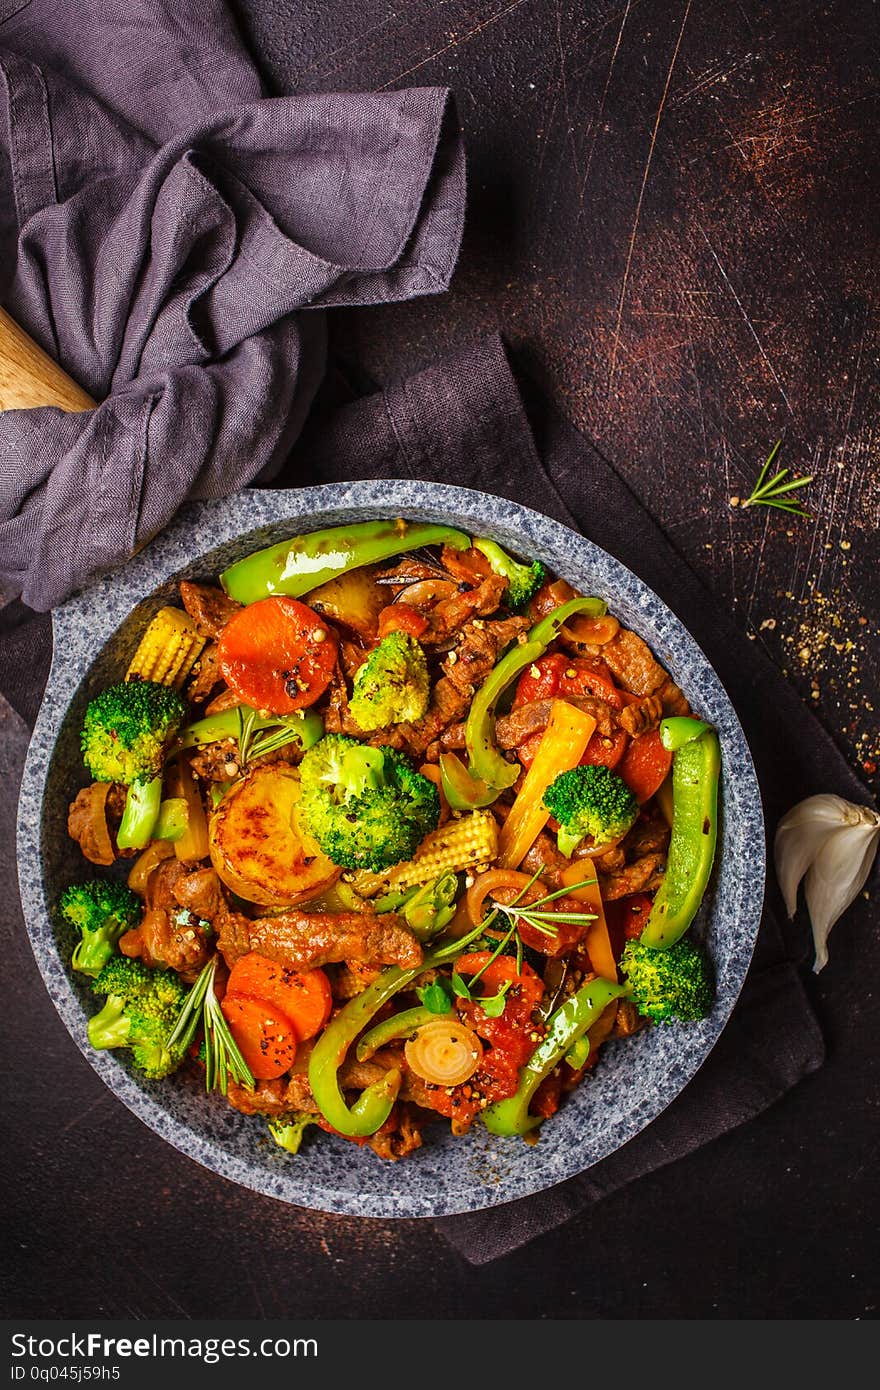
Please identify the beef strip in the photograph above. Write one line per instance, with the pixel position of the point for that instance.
(642, 875)
(451, 613)
(511, 730)
(673, 699)
(630, 661)
(544, 858)
(641, 717)
(206, 675)
(209, 608)
(448, 705)
(216, 762)
(177, 900)
(337, 719)
(649, 834)
(399, 1136)
(454, 736)
(225, 699)
(304, 940)
(200, 892)
(266, 1098)
(478, 649)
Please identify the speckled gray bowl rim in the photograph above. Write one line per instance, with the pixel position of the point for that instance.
(638, 1077)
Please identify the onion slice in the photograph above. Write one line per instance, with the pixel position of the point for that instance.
(444, 1053)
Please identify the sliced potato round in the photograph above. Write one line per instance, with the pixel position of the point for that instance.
(354, 600)
(258, 847)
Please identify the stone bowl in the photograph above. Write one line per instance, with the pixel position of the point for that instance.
(95, 634)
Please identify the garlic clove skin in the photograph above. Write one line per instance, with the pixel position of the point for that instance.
(834, 880)
(801, 834)
(830, 844)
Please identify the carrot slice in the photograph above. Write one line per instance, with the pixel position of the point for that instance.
(303, 997)
(277, 654)
(267, 1038)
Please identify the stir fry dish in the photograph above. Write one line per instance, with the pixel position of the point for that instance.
(393, 830)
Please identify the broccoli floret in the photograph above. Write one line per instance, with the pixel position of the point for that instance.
(590, 800)
(672, 983)
(391, 686)
(523, 580)
(100, 910)
(124, 737)
(366, 807)
(288, 1130)
(140, 1012)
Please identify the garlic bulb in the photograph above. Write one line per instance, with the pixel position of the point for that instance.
(830, 844)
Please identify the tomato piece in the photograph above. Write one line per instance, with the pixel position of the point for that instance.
(607, 751)
(644, 765)
(265, 1036)
(545, 1101)
(304, 997)
(626, 918)
(599, 749)
(582, 677)
(562, 675)
(399, 617)
(503, 970)
(272, 656)
(540, 681)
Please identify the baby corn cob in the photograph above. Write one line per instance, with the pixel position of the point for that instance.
(461, 843)
(168, 649)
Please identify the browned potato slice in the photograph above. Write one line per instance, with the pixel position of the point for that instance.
(258, 847)
(354, 600)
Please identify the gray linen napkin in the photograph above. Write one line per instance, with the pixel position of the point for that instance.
(162, 229)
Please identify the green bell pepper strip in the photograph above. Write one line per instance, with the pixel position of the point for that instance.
(462, 791)
(373, 1106)
(426, 908)
(397, 1026)
(306, 727)
(678, 730)
(696, 769)
(565, 1026)
(577, 1054)
(302, 563)
(485, 760)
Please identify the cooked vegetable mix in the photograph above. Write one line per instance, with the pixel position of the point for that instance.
(416, 831)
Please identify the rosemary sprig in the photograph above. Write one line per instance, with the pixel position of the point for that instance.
(776, 491)
(222, 1056)
(253, 745)
(535, 916)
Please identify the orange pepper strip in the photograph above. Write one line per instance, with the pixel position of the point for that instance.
(562, 745)
(597, 939)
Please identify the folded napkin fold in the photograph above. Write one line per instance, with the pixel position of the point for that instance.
(163, 228)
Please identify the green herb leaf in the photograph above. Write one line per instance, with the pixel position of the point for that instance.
(437, 996)
(493, 1005)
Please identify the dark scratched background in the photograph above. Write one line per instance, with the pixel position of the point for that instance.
(674, 220)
